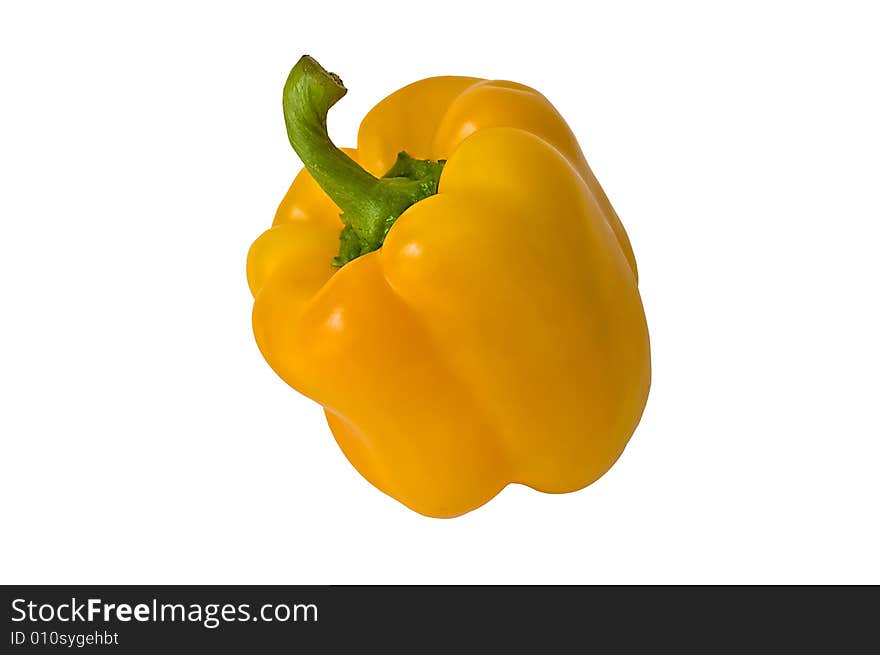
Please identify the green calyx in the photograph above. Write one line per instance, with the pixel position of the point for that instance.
(369, 205)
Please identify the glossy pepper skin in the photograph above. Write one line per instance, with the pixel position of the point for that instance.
(497, 335)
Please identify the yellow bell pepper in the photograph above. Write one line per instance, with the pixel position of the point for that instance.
(473, 318)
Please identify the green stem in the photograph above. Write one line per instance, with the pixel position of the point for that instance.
(369, 205)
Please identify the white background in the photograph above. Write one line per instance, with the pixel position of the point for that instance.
(145, 440)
